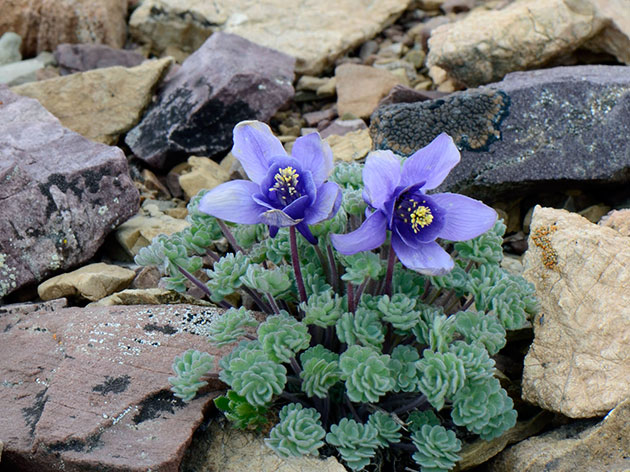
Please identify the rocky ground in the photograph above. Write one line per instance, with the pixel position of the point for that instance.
(101, 148)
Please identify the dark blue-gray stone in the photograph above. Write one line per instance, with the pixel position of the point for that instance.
(534, 131)
(227, 80)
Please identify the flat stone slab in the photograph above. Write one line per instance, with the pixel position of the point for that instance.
(87, 388)
(61, 193)
(565, 126)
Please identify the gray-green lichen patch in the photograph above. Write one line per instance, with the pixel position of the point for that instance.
(7, 276)
(473, 120)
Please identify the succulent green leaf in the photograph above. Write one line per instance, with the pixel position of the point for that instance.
(483, 328)
(314, 279)
(282, 336)
(442, 376)
(437, 448)
(404, 368)
(189, 368)
(230, 326)
(247, 235)
(356, 442)
(298, 433)
(417, 419)
(277, 282)
(366, 373)
(323, 309)
(457, 279)
(362, 327)
(399, 311)
(486, 248)
(422, 329)
(348, 175)
(353, 203)
(479, 367)
(240, 413)
(320, 371)
(388, 429)
(408, 282)
(225, 276)
(361, 266)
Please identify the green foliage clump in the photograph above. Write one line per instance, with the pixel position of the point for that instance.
(417, 419)
(323, 309)
(189, 368)
(225, 276)
(388, 429)
(282, 336)
(366, 374)
(399, 311)
(320, 371)
(356, 442)
(442, 375)
(437, 448)
(486, 248)
(361, 266)
(240, 412)
(363, 327)
(405, 369)
(231, 326)
(277, 282)
(480, 327)
(298, 433)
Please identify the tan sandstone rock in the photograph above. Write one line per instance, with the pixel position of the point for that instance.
(619, 220)
(315, 33)
(351, 146)
(204, 173)
(92, 282)
(138, 231)
(574, 448)
(148, 296)
(44, 24)
(486, 45)
(100, 104)
(223, 448)
(579, 362)
(360, 88)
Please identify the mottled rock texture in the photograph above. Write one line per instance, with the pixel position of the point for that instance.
(43, 24)
(10, 48)
(227, 80)
(315, 33)
(86, 389)
(528, 34)
(579, 362)
(100, 104)
(578, 447)
(566, 126)
(61, 194)
(73, 58)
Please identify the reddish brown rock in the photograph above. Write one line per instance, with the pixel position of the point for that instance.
(61, 193)
(43, 24)
(87, 388)
(73, 58)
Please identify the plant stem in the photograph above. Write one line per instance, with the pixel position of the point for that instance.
(296, 367)
(257, 299)
(419, 401)
(196, 282)
(469, 302)
(361, 289)
(323, 263)
(213, 255)
(230, 237)
(391, 262)
(351, 305)
(274, 306)
(352, 410)
(333, 268)
(295, 259)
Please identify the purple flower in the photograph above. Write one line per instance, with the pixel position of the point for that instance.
(284, 190)
(398, 202)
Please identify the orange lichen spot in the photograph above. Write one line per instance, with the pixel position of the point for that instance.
(540, 237)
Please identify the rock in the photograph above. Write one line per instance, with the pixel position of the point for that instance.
(146, 277)
(100, 104)
(594, 213)
(73, 58)
(227, 80)
(341, 127)
(578, 363)
(224, 448)
(91, 282)
(149, 296)
(10, 48)
(360, 88)
(315, 34)
(573, 448)
(138, 231)
(403, 94)
(204, 174)
(313, 118)
(22, 72)
(351, 146)
(61, 193)
(457, 6)
(527, 34)
(87, 388)
(43, 24)
(619, 220)
(518, 135)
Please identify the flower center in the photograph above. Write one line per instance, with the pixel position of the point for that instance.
(414, 213)
(285, 184)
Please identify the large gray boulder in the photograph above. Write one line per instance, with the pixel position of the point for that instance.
(60, 193)
(227, 80)
(566, 126)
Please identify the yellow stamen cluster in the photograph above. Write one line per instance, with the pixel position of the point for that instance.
(286, 181)
(419, 215)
